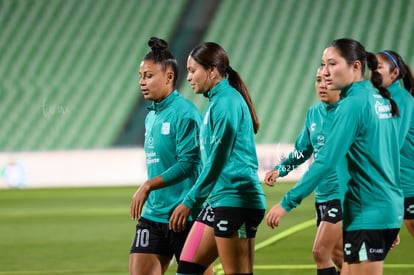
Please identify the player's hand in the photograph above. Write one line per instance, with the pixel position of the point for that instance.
(275, 215)
(138, 200)
(271, 177)
(178, 219)
(396, 241)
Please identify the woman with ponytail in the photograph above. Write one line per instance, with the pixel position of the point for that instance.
(364, 131)
(228, 180)
(172, 161)
(393, 71)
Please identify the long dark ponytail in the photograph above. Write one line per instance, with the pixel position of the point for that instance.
(237, 82)
(376, 80)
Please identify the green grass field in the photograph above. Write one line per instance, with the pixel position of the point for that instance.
(89, 231)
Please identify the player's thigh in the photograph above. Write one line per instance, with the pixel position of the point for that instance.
(147, 264)
(409, 224)
(200, 246)
(236, 254)
(366, 268)
(327, 236)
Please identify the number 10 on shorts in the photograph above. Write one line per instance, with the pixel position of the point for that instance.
(142, 239)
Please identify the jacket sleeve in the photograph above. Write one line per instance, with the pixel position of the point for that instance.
(343, 133)
(302, 152)
(187, 151)
(223, 135)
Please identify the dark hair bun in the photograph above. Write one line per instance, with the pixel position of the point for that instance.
(157, 44)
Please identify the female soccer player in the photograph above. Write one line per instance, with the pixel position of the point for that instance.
(364, 131)
(172, 159)
(229, 178)
(393, 69)
(327, 248)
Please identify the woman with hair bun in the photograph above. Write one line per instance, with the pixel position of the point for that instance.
(172, 160)
(394, 70)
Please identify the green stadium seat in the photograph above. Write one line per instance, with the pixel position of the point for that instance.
(276, 46)
(70, 68)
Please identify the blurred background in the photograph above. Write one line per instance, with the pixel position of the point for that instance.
(72, 114)
(69, 68)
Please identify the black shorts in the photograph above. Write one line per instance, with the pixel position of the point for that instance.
(226, 221)
(156, 238)
(409, 208)
(364, 245)
(206, 216)
(330, 211)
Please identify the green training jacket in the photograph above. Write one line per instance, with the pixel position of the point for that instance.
(228, 152)
(318, 123)
(366, 133)
(405, 103)
(171, 149)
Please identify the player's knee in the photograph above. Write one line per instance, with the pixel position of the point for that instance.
(187, 268)
(316, 253)
(319, 255)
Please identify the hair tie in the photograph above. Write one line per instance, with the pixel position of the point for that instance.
(229, 69)
(391, 57)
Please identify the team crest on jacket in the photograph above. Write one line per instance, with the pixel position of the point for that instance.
(321, 140)
(165, 128)
(383, 110)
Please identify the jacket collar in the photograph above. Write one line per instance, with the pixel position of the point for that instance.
(159, 106)
(331, 106)
(395, 85)
(348, 90)
(219, 86)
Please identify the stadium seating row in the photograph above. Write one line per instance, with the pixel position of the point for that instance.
(277, 45)
(69, 68)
